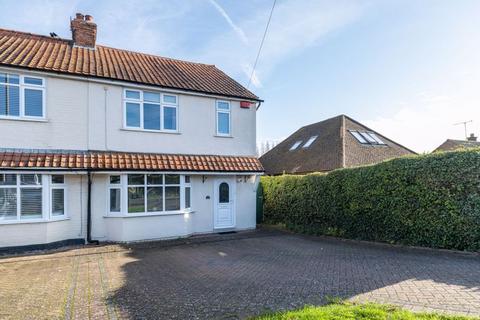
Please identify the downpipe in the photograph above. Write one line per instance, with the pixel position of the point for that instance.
(89, 210)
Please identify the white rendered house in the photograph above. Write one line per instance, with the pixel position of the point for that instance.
(106, 144)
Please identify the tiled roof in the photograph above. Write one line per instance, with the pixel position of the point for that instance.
(451, 145)
(105, 160)
(20, 49)
(334, 148)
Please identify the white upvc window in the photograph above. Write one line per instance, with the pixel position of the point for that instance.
(150, 111)
(150, 193)
(223, 118)
(28, 197)
(58, 195)
(115, 194)
(188, 192)
(22, 96)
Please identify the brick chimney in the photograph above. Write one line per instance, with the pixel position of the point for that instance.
(84, 31)
(472, 137)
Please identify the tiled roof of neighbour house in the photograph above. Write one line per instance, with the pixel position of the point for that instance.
(109, 160)
(451, 145)
(42, 53)
(335, 147)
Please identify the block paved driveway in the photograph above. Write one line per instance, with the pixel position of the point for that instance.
(230, 277)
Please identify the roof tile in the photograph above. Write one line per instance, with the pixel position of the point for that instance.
(105, 160)
(52, 54)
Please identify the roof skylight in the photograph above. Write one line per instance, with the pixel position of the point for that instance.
(309, 142)
(367, 137)
(374, 136)
(295, 145)
(359, 137)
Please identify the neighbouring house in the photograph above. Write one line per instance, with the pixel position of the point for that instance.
(452, 145)
(338, 142)
(107, 144)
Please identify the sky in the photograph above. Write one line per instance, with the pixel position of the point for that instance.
(408, 69)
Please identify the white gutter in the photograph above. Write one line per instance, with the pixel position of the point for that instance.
(67, 171)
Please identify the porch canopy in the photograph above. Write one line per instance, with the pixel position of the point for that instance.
(78, 160)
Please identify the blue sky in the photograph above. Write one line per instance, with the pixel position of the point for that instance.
(407, 68)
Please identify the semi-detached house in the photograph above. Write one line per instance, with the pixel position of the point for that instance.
(98, 143)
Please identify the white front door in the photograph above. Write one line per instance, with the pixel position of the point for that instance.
(224, 215)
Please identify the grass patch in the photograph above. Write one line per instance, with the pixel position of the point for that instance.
(352, 311)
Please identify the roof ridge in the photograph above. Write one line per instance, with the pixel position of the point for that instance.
(132, 66)
(36, 35)
(104, 46)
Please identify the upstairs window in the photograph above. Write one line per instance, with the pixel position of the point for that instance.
(367, 137)
(21, 96)
(152, 111)
(223, 118)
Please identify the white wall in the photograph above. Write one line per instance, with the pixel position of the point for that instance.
(197, 127)
(22, 234)
(124, 229)
(69, 103)
(66, 120)
(171, 226)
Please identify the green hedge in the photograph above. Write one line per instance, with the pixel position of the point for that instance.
(428, 200)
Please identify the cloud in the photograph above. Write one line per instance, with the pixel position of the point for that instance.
(428, 119)
(295, 26)
(227, 18)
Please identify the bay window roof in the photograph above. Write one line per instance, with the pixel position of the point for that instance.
(126, 161)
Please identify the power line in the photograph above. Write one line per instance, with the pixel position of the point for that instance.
(261, 44)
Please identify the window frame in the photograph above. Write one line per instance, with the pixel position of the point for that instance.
(309, 142)
(58, 186)
(124, 185)
(22, 86)
(369, 138)
(47, 205)
(111, 186)
(162, 104)
(228, 112)
(295, 145)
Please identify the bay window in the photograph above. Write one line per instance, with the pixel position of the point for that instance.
(24, 196)
(149, 193)
(150, 111)
(21, 96)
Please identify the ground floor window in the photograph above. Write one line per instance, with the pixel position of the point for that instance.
(25, 196)
(149, 193)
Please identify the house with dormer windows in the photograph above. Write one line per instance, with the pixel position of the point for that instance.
(335, 143)
(105, 144)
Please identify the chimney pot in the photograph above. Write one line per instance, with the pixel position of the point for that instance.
(472, 137)
(84, 31)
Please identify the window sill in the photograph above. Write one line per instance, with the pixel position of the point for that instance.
(142, 215)
(26, 221)
(28, 119)
(222, 136)
(150, 131)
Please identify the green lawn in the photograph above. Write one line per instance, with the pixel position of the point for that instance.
(340, 311)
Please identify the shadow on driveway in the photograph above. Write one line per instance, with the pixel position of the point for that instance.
(269, 270)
